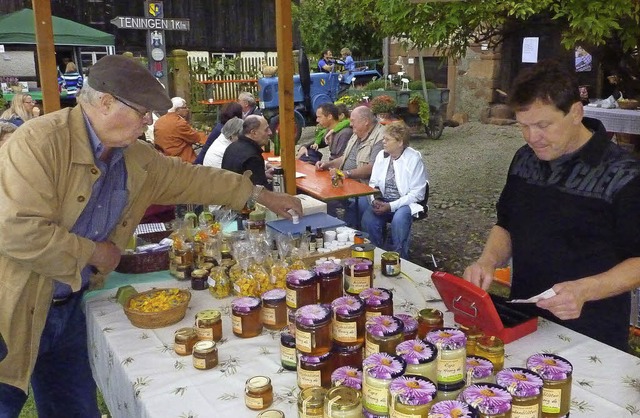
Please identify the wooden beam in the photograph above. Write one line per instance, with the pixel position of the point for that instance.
(46, 55)
(284, 43)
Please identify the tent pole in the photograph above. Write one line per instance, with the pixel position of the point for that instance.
(46, 55)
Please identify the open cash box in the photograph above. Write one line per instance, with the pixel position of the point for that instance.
(473, 306)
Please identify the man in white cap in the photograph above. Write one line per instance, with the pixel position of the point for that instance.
(173, 134)
(80, 182)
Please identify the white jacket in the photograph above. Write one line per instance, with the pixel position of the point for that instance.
(411, 178)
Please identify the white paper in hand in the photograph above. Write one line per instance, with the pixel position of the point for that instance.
(549, 293)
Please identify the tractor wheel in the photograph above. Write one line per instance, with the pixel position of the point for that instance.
(435, 126)
(274, 124)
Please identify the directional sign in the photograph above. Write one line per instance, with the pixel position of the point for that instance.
(150, 23)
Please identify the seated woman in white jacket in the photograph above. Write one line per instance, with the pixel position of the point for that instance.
(230, 132)
(401, 176)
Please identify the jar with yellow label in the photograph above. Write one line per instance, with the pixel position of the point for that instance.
(556, 373)
(347, 376)
(421, 358)
(313, 330)
(274, 309)
(429, 320)
(452, 356)
(479, 370)
(184, 340)
(378, 301)
(378, 371)
(343, 402)
(411, 396)
(410, 326)
(209, 325)
(384, 333)
(258, 393)
(473, 334)
(205, 355)
(302, 288)
(525, 387)
(348, 320)
(315, 370)
(245, 317)
(311, 402)
(491, 348)
(358, 275)
(219, 282)
(390, 264)
(288, 355)
(330, 285)
(491, 400)
(348, 355)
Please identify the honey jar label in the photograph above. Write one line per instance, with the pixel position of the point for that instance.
(345, 332)
(551, 400)
(309, 378)
(357, 284)
(525, 411)
(180, 349)
(375, 399)
(253, 403)
(368, 314)
(205, 334)
(392, 270)
(451, 371)
(303, 341)
(268, 316)
(237, 324)
(199, 363)
(370, 348)
(288, 355)
(292, 300)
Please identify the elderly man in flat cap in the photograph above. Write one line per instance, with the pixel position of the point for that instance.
(75, 184)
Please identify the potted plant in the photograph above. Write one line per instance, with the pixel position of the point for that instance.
(418, 105)
(383, 106)
(12, 84)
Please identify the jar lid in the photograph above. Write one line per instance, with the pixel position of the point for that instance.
(358, 264)
(199, 273)
(410, 323)
(347, 376)
(313, 315)
(257, 215)
(368, 414)
(376, 296)
(312, 397)
(328, 268)
(451, 409)
(390, 256)
(286, 335)
(384, 366)
(208, 315)
(271, 413)
(384, 326)
(412, 390)
(519, 382)
(417, 351)
(347, 305)
(550, 366)
(204, 346)
(245, 304)
(257, 382)
(490, 343)
(186, 332)
(274, 295)
(447, 338)
(315, 359)
(488, 398)
(430, 315)
(479, 367)
(300, 277)
(342, 398)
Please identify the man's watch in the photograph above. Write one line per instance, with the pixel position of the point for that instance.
(347, 174)
(257, 189)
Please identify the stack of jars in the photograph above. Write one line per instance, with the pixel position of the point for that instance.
(200, 340)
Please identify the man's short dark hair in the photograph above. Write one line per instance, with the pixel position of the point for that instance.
(548, 81)
(329, 109)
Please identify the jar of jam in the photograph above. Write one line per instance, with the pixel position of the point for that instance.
(330, 285)
(288, 355)
(205, 355)
(378, 371)
(301, 288)
(491, 348)
(491, 400)
(184, 340)
(245, 317)
(313, 330)
(219, 282)
(525, 387)
(473, 333)
(429, 320)
(384, 333)
(315, 370)
(451, 408)
(378, 301)
(358, 275)
(410, 326)
(274, 309)
(452, 356)
(199, 279)
(411, 396)
(421, 358)
(343, 402)
(479, 370)
(556, 374)
(209, 325)
(390, 264)
(348, 320)
(271, 413)
(258, 393)
(311, 402)
(348, 355)
(347, 376)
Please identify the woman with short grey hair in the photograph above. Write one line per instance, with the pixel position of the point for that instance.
(230, 132)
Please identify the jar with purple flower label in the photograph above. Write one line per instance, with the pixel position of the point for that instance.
(378, 301)
(411, 396)
(410, 326)
(491, 400)
(384, 333)
(245, 317)
(348, 355)
(347, 376)
(525, 387)
(274, 309)
(343, 402)
(313, 330)
(451, 409)
(358, 275)
(421, 358)
(348, 320)
(302, 288)
(479, 370)
(556, 374)
(452, 357)
(315, 370)
(378, 371)
(330, 285)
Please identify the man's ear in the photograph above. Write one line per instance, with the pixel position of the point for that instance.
(577, 113)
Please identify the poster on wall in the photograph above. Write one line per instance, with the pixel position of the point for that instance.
(583, 60)
(530, 50)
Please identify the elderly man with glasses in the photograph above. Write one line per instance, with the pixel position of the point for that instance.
(174, 136)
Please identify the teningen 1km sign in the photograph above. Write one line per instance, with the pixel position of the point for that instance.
(133, 22)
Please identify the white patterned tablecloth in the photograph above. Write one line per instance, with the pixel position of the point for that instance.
(616, 120)
(140, 375)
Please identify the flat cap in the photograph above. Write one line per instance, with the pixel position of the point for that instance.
(126, 78)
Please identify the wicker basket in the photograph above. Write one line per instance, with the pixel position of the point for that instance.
(160, 319)
(146, 262)
(629, 104)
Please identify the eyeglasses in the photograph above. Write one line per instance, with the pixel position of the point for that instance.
(138, 111)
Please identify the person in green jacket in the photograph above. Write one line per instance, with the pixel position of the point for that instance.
(334, 131)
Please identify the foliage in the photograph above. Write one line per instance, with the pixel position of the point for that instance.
(382, 104)
(423, 106)
(351, 100)
(375, 85)
(11, 81)
(417, 85)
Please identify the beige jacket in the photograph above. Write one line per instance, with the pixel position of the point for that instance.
(363, 155)
(46, 177)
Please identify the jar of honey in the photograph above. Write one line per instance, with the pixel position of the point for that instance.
(473, 334)
(390, 264)
(315, 370)
(313, 330)
(421, 358)
(347, 376)
(452, 358)
(479, 370)
(301, 288)
(411, 396)
(556, 373)
(184, 340)
(311, 402)
(378, 301)
(271, 413)
(330, 285)
(288, 355)
(378, 371)
(258, 393)
(274, 309)
(491, 400)
(245, 317)
(525, 387)
(348, 320)
(410, 326)
(343, 402)
(348, 355)
(429, 320)
(384, 333)
(205, 355)
(358, 275)
(209, 325)
(491, 348)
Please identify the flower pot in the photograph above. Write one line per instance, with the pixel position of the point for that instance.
(413, 108)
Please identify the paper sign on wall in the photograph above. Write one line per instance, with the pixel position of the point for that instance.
(1, 49)
(530, 49)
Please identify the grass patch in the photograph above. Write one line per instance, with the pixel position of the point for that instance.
(30, 411)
